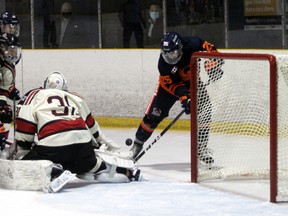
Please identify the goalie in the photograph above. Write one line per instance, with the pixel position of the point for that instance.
(64, 127)
(174, 85)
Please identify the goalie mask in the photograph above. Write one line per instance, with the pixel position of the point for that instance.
(10, 48)
(56, 80)
(9, 23)
(171, 48)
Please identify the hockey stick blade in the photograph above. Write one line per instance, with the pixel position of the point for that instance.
(140, 155)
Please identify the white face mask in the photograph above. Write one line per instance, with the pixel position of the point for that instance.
(154, 15)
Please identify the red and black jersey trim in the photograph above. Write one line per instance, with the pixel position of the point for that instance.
(90, 121)
(59, 126)
(30, 96)
(25, 127)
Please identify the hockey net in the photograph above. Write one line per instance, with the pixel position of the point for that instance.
(247, 118)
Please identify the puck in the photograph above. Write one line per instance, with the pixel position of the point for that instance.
(128, 142)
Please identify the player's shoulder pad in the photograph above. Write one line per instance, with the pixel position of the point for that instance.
(192, 42)
(76, 94)
(29, 95)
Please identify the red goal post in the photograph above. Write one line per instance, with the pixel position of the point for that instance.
(244, 115)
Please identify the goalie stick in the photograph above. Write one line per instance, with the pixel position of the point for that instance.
(140, 155)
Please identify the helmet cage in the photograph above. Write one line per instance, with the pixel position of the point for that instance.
(172, 57)
(171, 47)
(56, 81)
(10, 47)
(10, 28)
(11, 53)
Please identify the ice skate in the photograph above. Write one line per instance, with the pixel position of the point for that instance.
(59, 178)
(205, 157)
(135, 175)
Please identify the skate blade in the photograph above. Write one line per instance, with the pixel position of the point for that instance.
(60, 181)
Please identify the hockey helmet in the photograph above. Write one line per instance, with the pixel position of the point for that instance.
(10, 47)
(9, 23)
(171, 47)
(56, 80)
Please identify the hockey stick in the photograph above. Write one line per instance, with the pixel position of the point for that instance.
(140, 155)
(13, 147)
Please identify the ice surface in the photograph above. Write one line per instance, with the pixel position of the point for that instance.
(166, 190)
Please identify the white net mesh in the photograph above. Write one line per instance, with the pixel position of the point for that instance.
(237, 120)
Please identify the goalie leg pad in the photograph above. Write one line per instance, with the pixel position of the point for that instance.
(116, 178)
(114, 159)
(109, 175)
(25, 175)
(31, 175)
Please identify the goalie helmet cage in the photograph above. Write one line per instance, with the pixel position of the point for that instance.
(247, 119)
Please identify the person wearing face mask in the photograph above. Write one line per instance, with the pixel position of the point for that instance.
(67, 31)
(155, 26)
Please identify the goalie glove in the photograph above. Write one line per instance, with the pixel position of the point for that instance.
(213, 67)
(185, 103)
(104, 143)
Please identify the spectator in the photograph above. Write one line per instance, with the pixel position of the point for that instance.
(155, 26)
(67, 31)
(132, 19)
(46, 7)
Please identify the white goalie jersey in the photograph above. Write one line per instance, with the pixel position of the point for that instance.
(54, 114)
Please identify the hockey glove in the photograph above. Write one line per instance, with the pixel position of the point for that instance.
(6, 114)
(185, 103)
(104, 143)
(213, 69)
(14, 93)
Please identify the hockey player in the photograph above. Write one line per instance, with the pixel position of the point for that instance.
(64, 127)
(9, 23)
(174, 85)
(10, 51)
